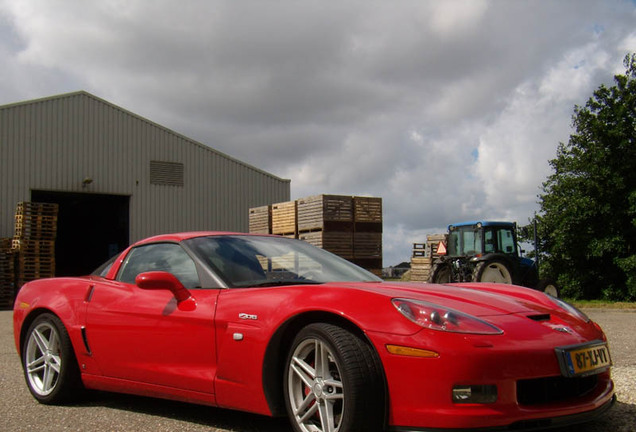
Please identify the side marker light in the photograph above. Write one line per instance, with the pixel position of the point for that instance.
(411, 352)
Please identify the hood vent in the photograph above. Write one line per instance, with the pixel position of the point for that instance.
(542, 317)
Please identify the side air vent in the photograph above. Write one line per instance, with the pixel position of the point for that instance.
(166, 173)
(541, 317)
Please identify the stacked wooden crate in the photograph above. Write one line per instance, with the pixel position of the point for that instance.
(284, 219)
(261, 220)
(7, 274)
(348, 226)
(367, 233)
(326, 221)
(424, 254)
(34, 240)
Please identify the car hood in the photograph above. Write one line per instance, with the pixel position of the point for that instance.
(477, 299)
(522, 313)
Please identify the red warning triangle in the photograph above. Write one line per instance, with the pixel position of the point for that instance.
(441, 248)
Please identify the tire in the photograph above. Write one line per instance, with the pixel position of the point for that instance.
(549, 287)
(333, 382)
(440, 273)
(49, 363)
(495, 271)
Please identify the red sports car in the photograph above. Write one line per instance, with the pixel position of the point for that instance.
(276, 326)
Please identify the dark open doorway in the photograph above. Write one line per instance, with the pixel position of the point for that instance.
(90, 229)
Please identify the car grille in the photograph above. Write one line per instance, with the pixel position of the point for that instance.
(553, 389)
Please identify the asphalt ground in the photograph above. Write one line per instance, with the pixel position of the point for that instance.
(115, 412)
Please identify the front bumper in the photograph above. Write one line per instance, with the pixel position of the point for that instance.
(420, 389)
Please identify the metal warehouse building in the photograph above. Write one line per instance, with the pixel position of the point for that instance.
(118, 177)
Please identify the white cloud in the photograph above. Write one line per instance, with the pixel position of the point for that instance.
(450, 18)
(515, 149)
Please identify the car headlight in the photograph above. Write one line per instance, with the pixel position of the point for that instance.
(435, 317)
(569, 308)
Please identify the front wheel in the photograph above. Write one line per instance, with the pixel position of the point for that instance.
(49, 363)
(333, 382)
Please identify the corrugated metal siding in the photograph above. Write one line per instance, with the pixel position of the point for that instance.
(55, 143)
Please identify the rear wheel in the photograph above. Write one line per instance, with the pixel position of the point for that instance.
(333, 382)
(549, 287)
(440, 273)
(495, 271)
(49, 363)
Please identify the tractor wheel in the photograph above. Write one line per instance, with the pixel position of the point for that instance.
(549, 287)
(440, 273)
(495, 271)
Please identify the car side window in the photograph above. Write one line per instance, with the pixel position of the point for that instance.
(168, 257)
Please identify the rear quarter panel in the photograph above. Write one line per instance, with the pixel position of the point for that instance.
(64, 297)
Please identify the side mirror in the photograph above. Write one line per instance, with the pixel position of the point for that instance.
(161, 280)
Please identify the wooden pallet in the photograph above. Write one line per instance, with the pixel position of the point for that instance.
(7, 262)
(420, 268)
(7, 282)
(29, 273)
(35, 227)
(29, 245)
(35, 233)
(35, 223)
(421, 250)
(260, 220)
(7, 266)
(337, 242)
(32, 219)
(32, 209)
(34, 258)
(7, 296)
(29, 266)
(325, 212)
(284, 218)
(36, 220)
(424, 254)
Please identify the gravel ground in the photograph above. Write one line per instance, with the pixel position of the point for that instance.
(111, 412)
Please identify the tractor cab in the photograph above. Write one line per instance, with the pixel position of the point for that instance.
(471, 239)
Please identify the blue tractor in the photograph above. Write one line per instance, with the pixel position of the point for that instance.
(486, 251)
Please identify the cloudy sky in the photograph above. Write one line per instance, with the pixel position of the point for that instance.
(448, 110)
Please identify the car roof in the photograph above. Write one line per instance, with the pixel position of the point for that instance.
(180, 236)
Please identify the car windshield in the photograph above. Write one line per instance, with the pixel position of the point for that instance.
(249, 261)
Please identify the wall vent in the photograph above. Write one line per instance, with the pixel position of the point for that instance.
(166, 173)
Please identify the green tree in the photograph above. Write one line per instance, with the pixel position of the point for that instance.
(587, 222)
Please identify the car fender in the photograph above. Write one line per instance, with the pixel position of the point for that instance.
(263, 323)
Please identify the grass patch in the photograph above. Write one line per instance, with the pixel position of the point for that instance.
(601, 304)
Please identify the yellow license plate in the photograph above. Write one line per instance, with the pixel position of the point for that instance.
(584, 359)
